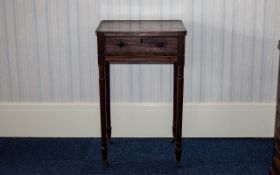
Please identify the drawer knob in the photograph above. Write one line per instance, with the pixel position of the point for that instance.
(121, 44)
(159, 44)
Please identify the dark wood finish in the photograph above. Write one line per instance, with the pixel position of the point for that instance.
(141, 28)
(276, 164)
(276, 155)
(277, 149)
(150, 41)
(143, 59)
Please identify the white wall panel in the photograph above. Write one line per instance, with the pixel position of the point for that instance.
(42, 43)
(48, 51)
(5, 92)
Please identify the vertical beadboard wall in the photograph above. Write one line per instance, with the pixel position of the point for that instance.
(48, 50)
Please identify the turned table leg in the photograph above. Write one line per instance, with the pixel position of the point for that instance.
(108, 110)
(102, 85)
(179, 109)
(174, 102)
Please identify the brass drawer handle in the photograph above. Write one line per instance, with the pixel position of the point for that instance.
(160, 44)
(121, 44)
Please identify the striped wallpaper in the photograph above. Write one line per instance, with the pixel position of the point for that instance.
(48, 50)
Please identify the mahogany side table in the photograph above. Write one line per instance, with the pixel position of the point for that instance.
(137, 42)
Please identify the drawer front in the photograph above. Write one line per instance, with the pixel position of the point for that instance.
(141, 45)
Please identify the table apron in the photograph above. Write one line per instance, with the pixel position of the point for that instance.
(142, 59)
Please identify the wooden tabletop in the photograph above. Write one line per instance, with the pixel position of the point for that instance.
(141, 26)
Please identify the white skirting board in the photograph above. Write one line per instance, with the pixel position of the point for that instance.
(136, 120)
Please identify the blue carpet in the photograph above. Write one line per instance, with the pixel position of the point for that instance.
(30, 156)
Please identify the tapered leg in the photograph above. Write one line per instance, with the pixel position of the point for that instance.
(108, 110)
(102, 84)
(174, 101)
(272, 172)
(179, 110)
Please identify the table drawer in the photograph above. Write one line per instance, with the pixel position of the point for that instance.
(141, 45)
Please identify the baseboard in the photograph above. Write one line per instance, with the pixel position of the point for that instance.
(136, 120)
